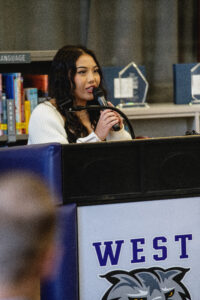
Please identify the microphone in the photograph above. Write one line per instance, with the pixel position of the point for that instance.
(99, 96)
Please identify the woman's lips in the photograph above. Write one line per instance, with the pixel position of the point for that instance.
(90, 89)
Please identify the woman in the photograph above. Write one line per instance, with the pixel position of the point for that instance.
(74, 73)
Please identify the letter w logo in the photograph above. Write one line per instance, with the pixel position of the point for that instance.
(108, 252)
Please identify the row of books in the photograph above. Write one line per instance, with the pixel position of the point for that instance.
(19, 95)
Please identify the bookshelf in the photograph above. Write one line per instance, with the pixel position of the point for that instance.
(38, 62)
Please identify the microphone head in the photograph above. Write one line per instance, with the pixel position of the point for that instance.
(97, 92)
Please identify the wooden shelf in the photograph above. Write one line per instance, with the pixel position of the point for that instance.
(40, 62)
(21, 139)
(44, 55)
(3, 138)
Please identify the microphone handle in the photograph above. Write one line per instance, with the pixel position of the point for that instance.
(102, 101)
(116, 127)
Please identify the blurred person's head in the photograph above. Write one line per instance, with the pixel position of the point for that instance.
(27, 226)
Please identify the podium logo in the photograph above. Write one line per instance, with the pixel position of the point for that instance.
(147, 284)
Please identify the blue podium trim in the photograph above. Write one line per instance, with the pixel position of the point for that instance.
(65, 285)
(42, 159)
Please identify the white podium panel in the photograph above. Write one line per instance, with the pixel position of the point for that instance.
(140, 250)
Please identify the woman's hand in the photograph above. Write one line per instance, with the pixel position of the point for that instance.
(120, 120)
(107, 119)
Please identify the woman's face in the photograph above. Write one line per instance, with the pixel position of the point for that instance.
(86, 78)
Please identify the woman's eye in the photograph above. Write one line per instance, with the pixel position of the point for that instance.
(81, 72)
(96, 71)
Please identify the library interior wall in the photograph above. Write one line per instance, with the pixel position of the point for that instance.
(151, 33)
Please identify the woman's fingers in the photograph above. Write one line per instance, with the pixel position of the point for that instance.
(106, 121)
(112, 115)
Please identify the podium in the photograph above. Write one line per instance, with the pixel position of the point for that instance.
(129, 214)
(138, 211)
(136, 170)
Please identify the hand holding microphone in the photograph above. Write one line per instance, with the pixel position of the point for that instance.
(99, 96)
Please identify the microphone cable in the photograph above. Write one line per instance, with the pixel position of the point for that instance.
(97, 107)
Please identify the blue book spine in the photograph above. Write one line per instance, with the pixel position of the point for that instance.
(1, 108)
(8, 85)
(182, 83)
(4, 113)
(18, 99)
(32, 96)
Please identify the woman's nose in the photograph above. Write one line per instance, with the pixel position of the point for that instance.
(91, 77)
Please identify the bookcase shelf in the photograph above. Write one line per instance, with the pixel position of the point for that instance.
(40, 62)
(20, 140)
(3, 138)
(43, 55)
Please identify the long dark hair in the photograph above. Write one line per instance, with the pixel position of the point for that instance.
(62, 85)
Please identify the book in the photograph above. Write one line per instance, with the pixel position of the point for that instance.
(11, 120)
(1, 107)
(27, 110)
(182, 83)
(4, 125)
(31, 94)
(18, 97)
(13, 89)
(8, 90)
(39, 81)
(8, 85)
(23, 125)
